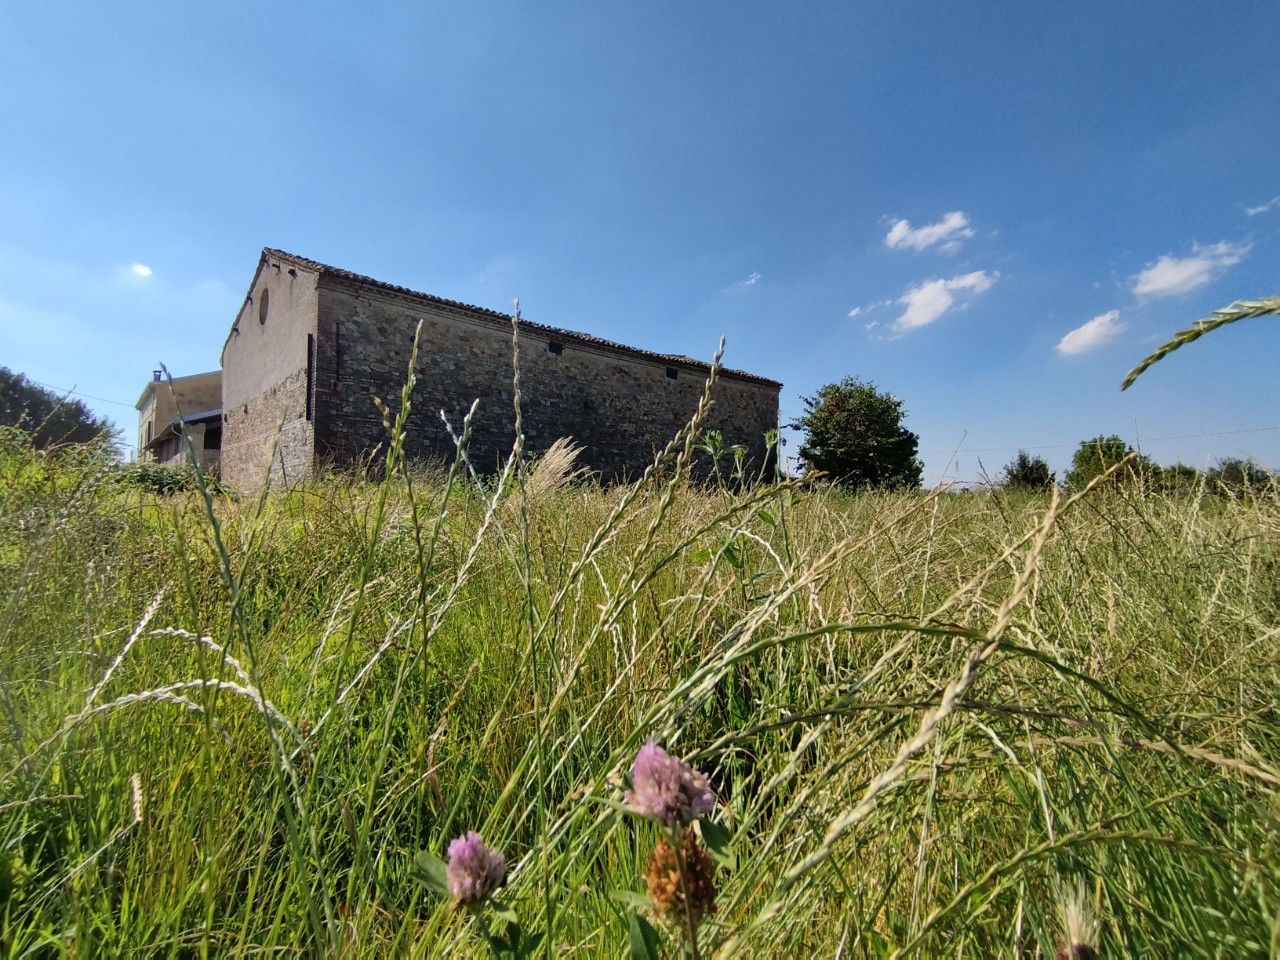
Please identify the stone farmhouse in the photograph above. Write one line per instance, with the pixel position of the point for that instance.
(313, 346)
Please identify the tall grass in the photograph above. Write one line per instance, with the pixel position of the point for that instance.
(231, 724)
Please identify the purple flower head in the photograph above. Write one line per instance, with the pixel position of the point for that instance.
(475, 869)
(666, 789)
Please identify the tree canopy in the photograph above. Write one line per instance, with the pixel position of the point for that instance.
(1027, 472)
(854, 434)
(1098, 455)
(1235, 477)
(44, 416)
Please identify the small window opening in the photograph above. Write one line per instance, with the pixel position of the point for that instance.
(264, 303)
(311, 376)
(555, 348)
(671, 373)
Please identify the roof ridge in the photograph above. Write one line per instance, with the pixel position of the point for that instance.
(353, 277)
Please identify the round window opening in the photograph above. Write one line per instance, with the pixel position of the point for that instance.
(264, 304)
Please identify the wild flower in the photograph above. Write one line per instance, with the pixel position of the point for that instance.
(682, 886)
(666, 789)
(475, 869)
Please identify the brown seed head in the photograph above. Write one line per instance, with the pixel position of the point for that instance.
(667, 888)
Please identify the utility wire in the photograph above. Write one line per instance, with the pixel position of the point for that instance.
(76, 393)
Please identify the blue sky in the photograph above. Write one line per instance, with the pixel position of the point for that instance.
(991, 210)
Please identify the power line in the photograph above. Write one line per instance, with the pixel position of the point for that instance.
(77, 393)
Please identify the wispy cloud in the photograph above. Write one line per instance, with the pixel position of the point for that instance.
(751, 281)
(1170, 276)
(1267, 207)
(929, 301)
(948, 231)
(1101, 330)
(140, 270)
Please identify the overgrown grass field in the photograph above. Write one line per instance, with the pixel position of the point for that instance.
(230, 725)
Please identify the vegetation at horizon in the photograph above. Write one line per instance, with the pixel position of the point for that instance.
(47, 418)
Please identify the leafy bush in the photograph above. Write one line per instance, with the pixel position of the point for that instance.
(856, 437)
(1096, 456)
(1234, 477)
(1027, 472)
(1179, 480)
(163, 478)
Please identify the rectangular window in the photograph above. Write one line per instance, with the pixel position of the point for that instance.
(555, 348)
(671, 373)
(311, 376)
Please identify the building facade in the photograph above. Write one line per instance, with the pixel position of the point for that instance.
(167, 406)
(314, 345)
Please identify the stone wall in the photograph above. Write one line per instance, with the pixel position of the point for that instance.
(622, 406)
(313, 347)
(265, 379)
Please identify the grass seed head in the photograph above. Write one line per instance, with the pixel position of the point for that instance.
(1079, 923)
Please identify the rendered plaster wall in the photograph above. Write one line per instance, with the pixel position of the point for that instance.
(161, 399)
(623, 408)
(265, 381)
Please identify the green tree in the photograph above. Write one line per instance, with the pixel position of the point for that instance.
(854, 434)
(1180, 480)
(1234, 477)
(1027, 472)
(1098, 455)
(45, 417)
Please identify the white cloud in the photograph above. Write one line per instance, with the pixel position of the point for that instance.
(953, 227)
(1170, 275)
(1101, 330)
(1264, 208)
(929, 301)
(863, 309)
(751, 281)
(140, 270)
